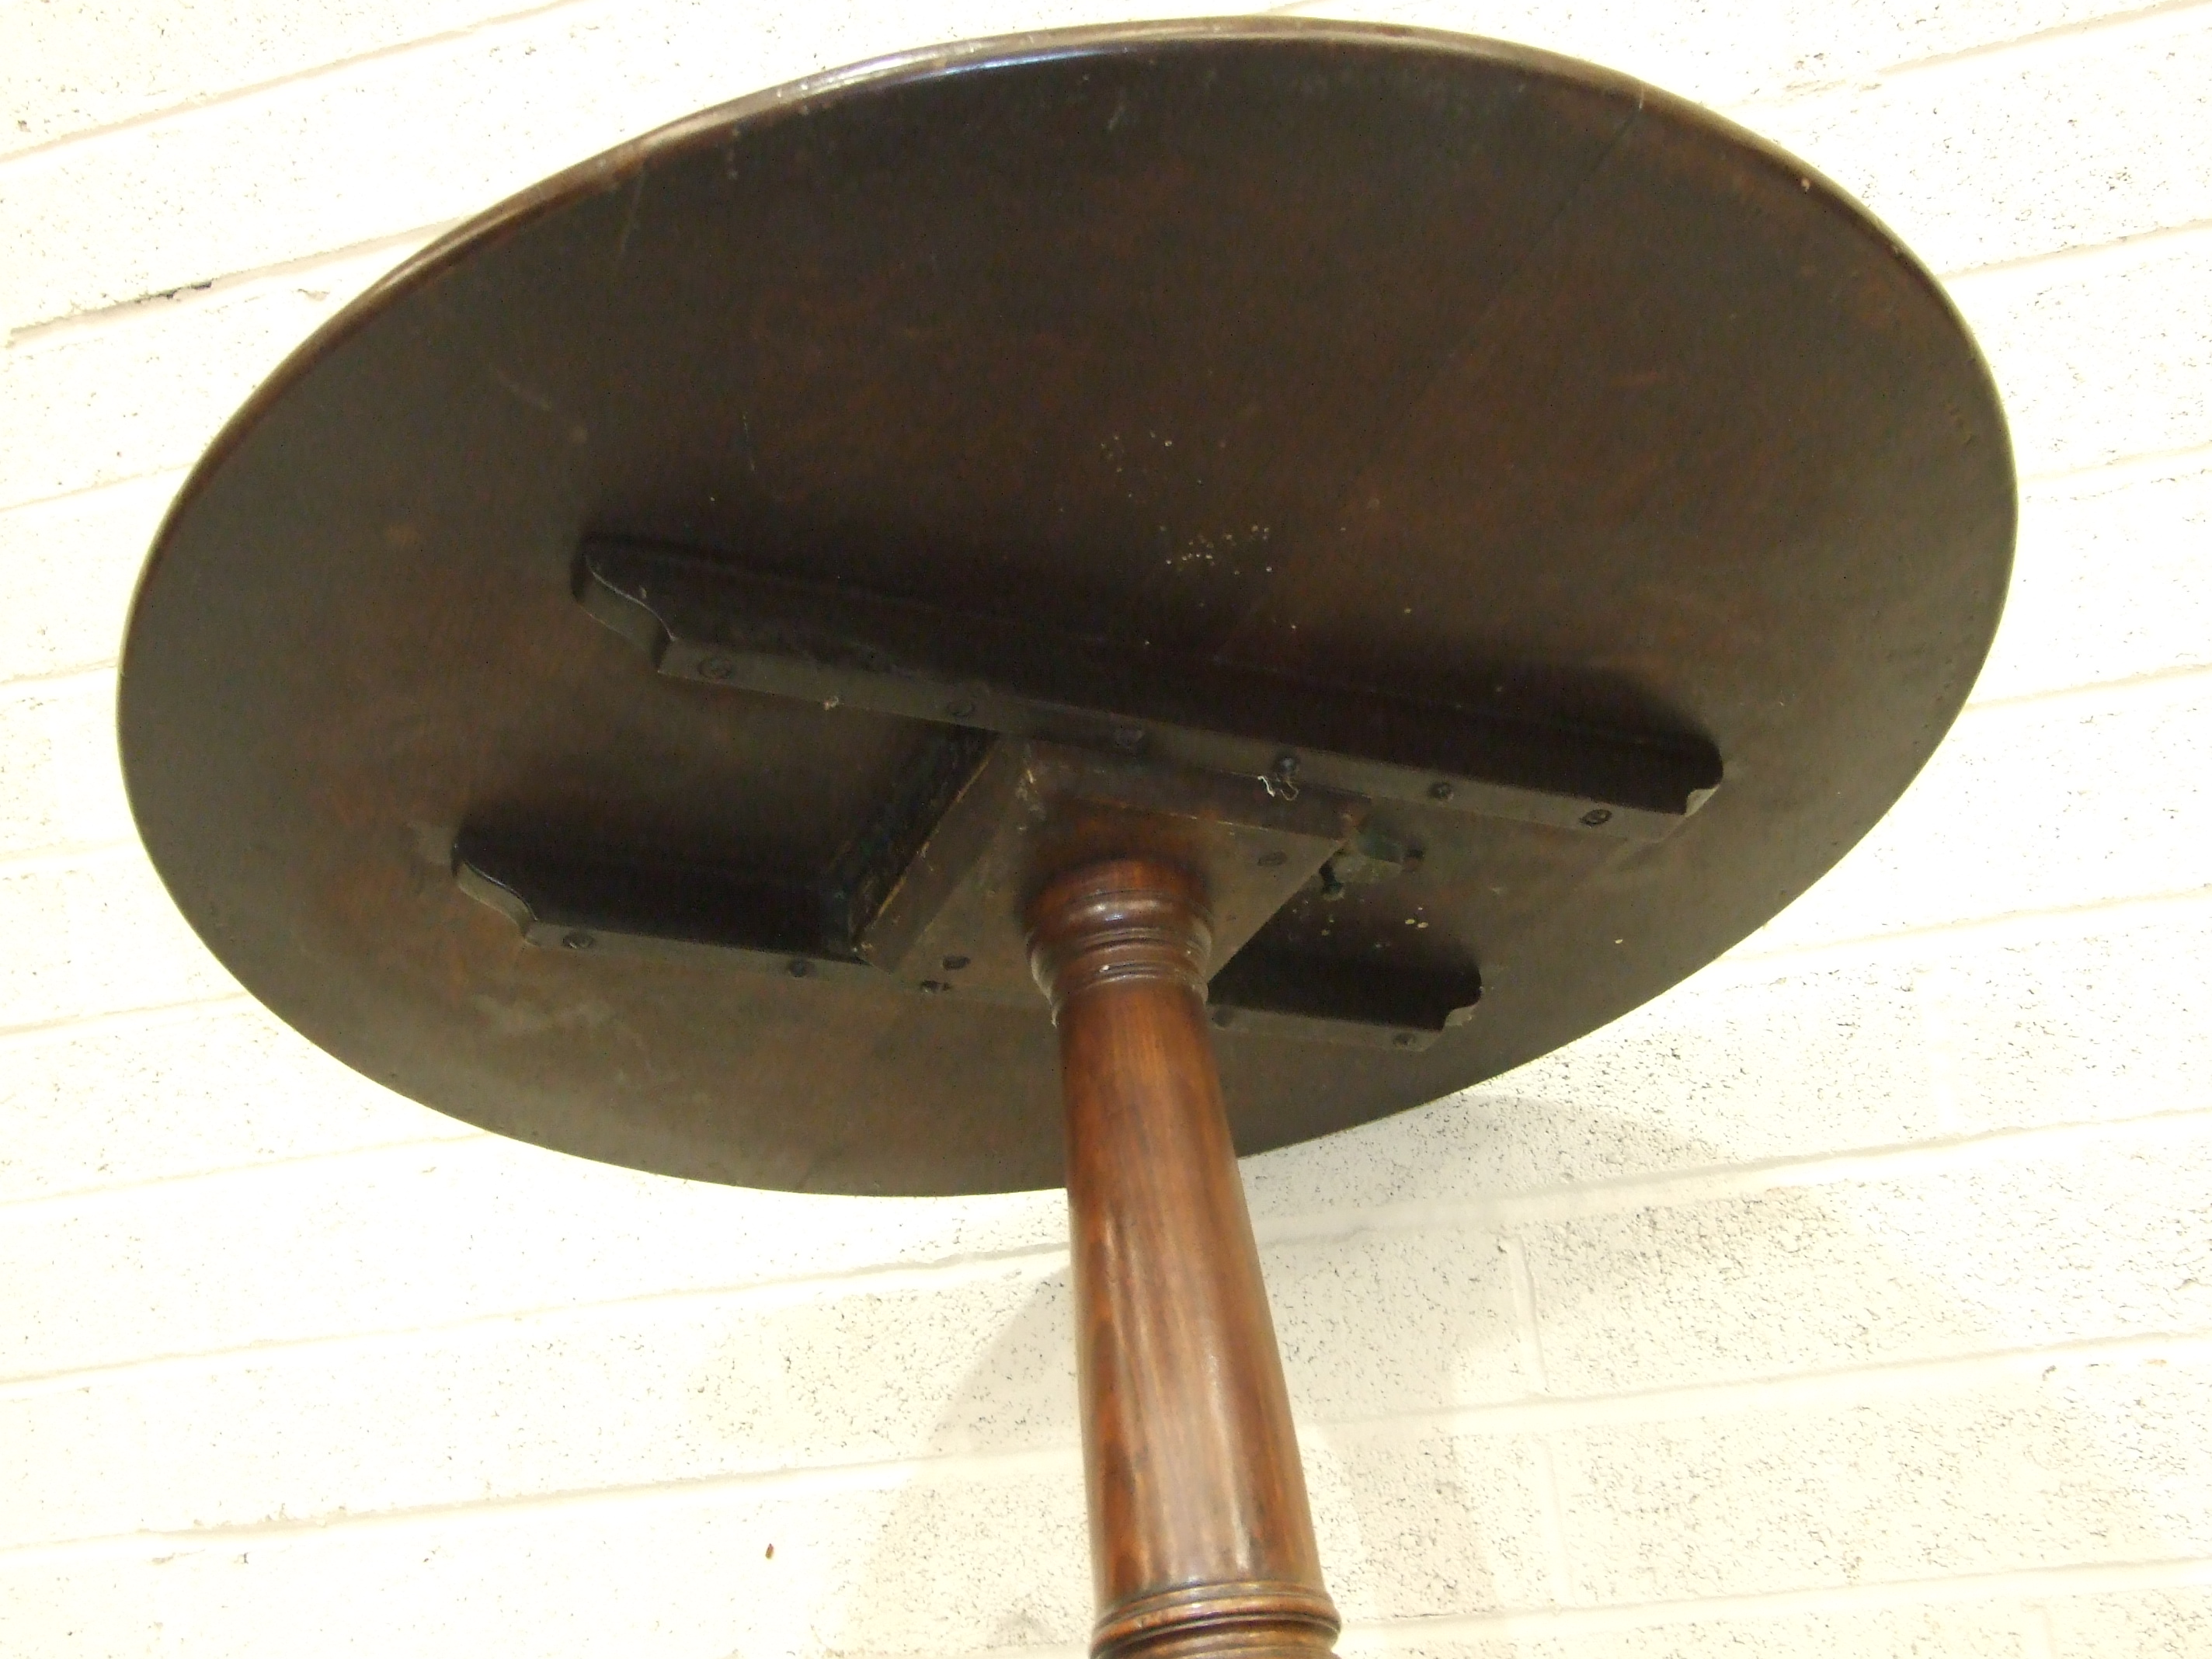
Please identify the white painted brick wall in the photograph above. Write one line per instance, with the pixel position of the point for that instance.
(1854, 1298)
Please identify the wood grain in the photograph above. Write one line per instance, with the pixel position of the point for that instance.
(1201, 1540)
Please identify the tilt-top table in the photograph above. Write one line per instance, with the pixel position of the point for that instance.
(1347, 556)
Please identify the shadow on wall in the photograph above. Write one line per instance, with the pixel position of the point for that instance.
(1393, 1334)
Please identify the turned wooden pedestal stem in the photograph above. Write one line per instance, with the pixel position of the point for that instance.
(1200, 1539)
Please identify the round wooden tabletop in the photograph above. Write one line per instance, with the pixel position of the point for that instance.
(1365, 361)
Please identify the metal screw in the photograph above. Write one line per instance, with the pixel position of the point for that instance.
(954, 964)
(1128, 738)
(798, 968)
(960, 709)
(1286, 766)
(1440, 790)
(1273, 860)
(718, 668)
(1222, 1016)
(1596, 816)
(578, 941)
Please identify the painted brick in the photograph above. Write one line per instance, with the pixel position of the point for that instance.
(2030, 806)
(856, 1566)
(1962, 1033)
(203, 1089)
(1999, 158)
(1414, 1527)
(2002, 1254)
(2170, 1624)
(84, 67)
(1729, 53)
(1962, 158)
(96, 935)
(146, 392)
(416, 1236)
(854, 1569)
(2049, 332)
(1969, 1631)
(2100, 1463)
(70, 566)
(1702, 1078)
(1454, 1286)
(61, 783)
(2090, 1024)
(81, 67)
(699, 1387)
(606, 1400)
(393, 144)
(2112, 580)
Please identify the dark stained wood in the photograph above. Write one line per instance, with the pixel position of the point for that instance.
(1435, 369)
(1200, 1539)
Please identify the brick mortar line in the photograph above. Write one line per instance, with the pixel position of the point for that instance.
(1738, 964)
(22, 687)
(1705, 1183)
(1551, 1509)
(189, 109)
(464, 1134)
(30, 504)
(99, 318)
(2026, 927)
(1826, 1390)
(2125, 689)
(2071, 1578)
(1492, 1212)
(1491, 1216)
(2135, 244)
(230, 287)
(192, 110)
(2124, 471)
(107, 1019)
(1635, 1191)
(2147, 22)
(796, 1289)
(62, 856)
(2038, 1640)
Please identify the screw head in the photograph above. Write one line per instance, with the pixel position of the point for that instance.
(960, 708)
(1286, 766)
(954, 964)
(718, 668)
(1221, 1016)
(1596, 816)
(1404, 1039)
(799, 967)
(577, 941)
(1440, 790)
(933, 986)
(1274, 860)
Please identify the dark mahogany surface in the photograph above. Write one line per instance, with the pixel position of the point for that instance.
(1386, 359)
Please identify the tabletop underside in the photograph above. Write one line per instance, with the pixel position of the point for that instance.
(1348, 369)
